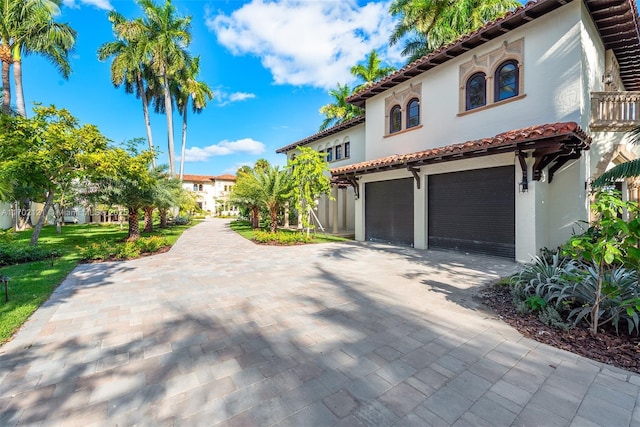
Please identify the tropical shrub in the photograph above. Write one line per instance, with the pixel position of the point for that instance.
(593, 278)
(182, 220)
(280, 238)
(12, 253)
(122, 251)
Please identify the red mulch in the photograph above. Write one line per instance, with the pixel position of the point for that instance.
(621, 350)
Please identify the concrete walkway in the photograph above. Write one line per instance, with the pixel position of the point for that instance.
(219, 330)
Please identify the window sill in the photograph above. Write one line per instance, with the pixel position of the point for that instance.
(339, 160)
(403, 131)
(495, 104)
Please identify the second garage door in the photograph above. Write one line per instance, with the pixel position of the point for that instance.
(389, 211)
(473, 211)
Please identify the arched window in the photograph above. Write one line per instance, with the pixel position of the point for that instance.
(506, 80)
(476, 91)
(413, 113)
(395, 119)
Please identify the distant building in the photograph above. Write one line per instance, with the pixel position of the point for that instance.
(212, 192)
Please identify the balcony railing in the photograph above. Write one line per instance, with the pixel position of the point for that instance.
(615, 111)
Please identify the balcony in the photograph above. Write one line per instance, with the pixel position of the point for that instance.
(615, 111)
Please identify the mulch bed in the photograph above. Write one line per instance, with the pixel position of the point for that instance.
(621, 350)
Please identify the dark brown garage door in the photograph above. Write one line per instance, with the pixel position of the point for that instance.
(473, 211)
(389, 211)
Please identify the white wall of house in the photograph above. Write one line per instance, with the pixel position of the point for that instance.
(552, 87)
(5, 215)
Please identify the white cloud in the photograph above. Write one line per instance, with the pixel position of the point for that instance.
(306, 42)
(223, 98)
(223, 148)
(100, 4)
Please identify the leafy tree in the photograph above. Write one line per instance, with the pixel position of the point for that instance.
(28, 27)
(190, 89)
(426, 25)
(47, 153)
(340, 110)
(309, 171)
(129, 67)
(626, 170)
(371, 71)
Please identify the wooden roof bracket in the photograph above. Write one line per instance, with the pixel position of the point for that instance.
(353, 181)
(414, 172)
(544, 156)
(524, 185)
(561, 162)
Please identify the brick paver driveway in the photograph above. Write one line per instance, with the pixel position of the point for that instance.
(219, 330)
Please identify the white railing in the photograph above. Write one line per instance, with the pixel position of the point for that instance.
(615, 111)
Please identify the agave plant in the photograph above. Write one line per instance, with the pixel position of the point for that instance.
(619, 300)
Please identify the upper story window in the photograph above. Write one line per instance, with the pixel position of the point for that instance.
(347, 150)
(476, 91)
(489, 79)
(338, 152)
(195, 187)
(329, 154)
(506, 80)
(395, 119)
(413, 113)
(402, 109)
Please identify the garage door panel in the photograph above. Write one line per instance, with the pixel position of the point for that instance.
(389, 211)
(473, 211)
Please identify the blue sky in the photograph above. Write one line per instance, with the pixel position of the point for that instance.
(270, 64)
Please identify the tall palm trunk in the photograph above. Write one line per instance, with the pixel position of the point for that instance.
(148, 219)
(17, 79)
(169, 112)
(184, 138)
(6, 88)
(134, 226)
(147, 120)
(163, 217)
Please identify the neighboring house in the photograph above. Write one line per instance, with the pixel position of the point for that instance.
(212, 192)
(488, 144)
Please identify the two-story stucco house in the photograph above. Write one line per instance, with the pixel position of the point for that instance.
(212, 192)
(489, 144)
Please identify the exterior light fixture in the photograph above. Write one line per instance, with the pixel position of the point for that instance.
(607, 78)
(524, 186)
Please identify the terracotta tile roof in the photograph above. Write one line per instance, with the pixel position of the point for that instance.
(208, 178)
(568, 133)
(617, 22)
(197, 178)
(335, 129)
(225, 177)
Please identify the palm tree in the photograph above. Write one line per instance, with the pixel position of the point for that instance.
(28, 27)
(370, 72)
(626, 170)
(275, 189)
(199, 93)
(164, 42)
(340, 110)
(430, 24)
(128, 67)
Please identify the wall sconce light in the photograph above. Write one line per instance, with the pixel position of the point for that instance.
(524, 186)
(607, 78)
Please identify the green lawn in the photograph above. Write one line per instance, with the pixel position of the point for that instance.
(32, 283)
(244, 229)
